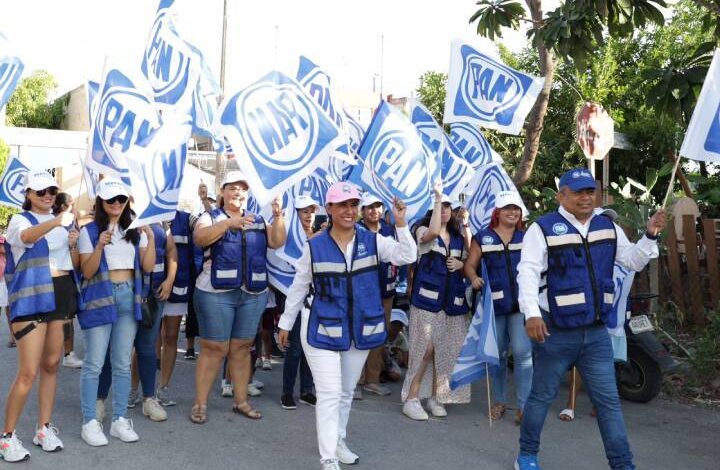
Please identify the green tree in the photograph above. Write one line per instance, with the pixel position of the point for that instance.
(432, 93)
(5, 211)
(30, 104)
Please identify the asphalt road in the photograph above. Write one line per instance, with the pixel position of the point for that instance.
(663, 434)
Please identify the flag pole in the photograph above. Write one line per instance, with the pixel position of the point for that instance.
(487, 381)
(668, 193)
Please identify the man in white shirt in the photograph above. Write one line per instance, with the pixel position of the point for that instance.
(566, 295)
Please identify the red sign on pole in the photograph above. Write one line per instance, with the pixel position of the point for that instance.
(595, 131)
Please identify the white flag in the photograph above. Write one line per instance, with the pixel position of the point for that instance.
(702, 139)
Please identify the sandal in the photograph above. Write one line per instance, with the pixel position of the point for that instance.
(568, 414)
(497, 411)
(246, 410)
(198, 414)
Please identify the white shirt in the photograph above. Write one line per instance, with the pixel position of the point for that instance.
(533, 261)
(57, 240)
(398, 252)
(120, 254)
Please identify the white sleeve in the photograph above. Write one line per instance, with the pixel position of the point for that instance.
(84, 244)
(18, 224)
(143, 240)
(298, 290)
(397, 252)
(533, 261)
(634, 256)
(203, 221)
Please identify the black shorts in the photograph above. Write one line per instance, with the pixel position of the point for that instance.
(65, 302)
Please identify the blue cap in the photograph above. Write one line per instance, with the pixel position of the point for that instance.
(578, 179)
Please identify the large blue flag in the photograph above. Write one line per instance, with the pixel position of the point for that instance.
(473, 145)
(396, 162)
(92, 88)
(483, 91)
(488, 181)
(702, 138)
(456, 172)
(279, 134)
(280, 272)
(480, 351)
(179, 75)
(11, 68)
(12, 183)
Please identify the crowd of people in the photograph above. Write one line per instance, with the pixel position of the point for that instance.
(338, 329)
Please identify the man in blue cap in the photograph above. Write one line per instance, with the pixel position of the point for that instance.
(566, 294)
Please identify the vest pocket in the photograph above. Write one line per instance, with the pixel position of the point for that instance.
(327, 332)
(571, 307)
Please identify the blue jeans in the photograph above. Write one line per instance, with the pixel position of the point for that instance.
(590, 350)
(119, 338)
(293, 357)
(511, 335)
(233, 314)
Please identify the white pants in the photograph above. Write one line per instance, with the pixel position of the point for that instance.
(335, 374)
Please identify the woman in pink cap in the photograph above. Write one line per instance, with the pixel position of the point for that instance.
(344, 317)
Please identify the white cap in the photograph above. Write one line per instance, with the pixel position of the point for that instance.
(455, 204)
(506, 198)
(234, 177)
(108, 188)
(445, 199)
(398, 315)
(368, 199)
(211, 195)
(39, 179)
(301, 202)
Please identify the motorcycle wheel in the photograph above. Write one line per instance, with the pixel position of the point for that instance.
(640, 379)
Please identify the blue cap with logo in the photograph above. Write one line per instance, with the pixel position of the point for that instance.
(578, 179)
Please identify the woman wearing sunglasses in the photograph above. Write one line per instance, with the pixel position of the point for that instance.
(42, 296)
(112, 259)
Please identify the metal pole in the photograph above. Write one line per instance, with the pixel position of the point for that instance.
(382, 63)
(220, 156)
(606, 177)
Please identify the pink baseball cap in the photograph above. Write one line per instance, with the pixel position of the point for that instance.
(341, 192)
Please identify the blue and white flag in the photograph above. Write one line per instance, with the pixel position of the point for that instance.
(178, 74)
(473, 145)
(12, 183)
(488, 181)
(623, 279)
(280, 272)
(92, 88)
(702, 139)
(279, 134)
(480, 352)
(91, 178)
(455, 171)
(396, 162)
(11, 68)
(355, 132)
(483, 91)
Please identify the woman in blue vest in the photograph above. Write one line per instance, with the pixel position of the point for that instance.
(345, 318)
(113, 259)
(438, 314)
(498, 246)
(231, 292)
(42, 296)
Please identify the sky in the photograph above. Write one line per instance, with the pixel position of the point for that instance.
(71, 38)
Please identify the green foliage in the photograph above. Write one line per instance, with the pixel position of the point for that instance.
(493, 15)
(706, 349)
(30, 104)
(432, 93)
(5, 212)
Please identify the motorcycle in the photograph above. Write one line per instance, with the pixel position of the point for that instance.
(640, 378)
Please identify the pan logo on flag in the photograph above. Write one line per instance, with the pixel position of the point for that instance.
(403, 174)
(277, 116)
(712, 141)
(14, 183)
(490, 88)
(472, 143)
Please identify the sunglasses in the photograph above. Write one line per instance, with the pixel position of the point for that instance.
(121, 199)
(51, 190)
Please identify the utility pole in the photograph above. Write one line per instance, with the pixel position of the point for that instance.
(220, 162)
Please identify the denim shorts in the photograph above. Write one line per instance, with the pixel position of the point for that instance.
(233, 314)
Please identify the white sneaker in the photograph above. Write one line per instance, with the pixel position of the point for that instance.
(122, 428)
(46, 437)
(154, 410)
(414, 410)
(72, 361)
(227, 389)
(100, 410)
(258, 384)
(330, 464)
(344, 454)
(436, 408)
(258, 363)
(134, 398)
(92, 433)
(253, 391)
(12, 450)
(266, 364)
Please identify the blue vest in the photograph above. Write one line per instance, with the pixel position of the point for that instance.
(434, 287)
(180, 231)
(347, 305)
(239, 258)
(579, 276)
(159, 273)
(98, 303)
(502, 262)
(388, 272)
(29, 282)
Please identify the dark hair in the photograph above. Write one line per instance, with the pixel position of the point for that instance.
(27, 205)
(60, 200)
(452, 225)
(126, 218)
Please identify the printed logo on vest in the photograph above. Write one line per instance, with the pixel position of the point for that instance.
(487, 240)
(361, 249)
(560, 228)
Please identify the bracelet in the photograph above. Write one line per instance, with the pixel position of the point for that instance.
(650, 237)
